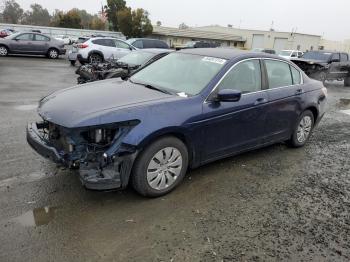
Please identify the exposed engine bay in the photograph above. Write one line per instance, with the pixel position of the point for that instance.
(104, 162)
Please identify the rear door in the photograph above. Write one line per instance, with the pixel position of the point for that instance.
(285, 96)
(335, 68)
(23, 43)
(41, 44)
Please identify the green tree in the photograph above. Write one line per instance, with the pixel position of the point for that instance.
(37, 16)
(86, 18)
(112, 8)
(71, 19)
(12, 12)
(141, 24)
(125, 22)
(97, 24)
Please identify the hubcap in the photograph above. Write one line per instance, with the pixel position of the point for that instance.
(164, 168)
(304, 129)
(95, 59)
(3, 51)
(53, 54)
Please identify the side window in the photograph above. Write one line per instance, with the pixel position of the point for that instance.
(161, 44)
(138, 44)
(278, 73)
(25, 37)
(296, 76)
(41, 38)
(245, 77)
(120, 44)
(294, 54)
(336, 57)
(343, 57)
(148, 43)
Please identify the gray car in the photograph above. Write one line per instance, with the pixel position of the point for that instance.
(31, 44)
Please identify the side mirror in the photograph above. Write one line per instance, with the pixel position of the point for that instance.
(228, 95)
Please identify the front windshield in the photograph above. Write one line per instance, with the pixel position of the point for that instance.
(136, 58)
(320, 56)
(180, 73)
(285, 53)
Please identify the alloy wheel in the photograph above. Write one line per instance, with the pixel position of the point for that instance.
(164, 168)
(3, 51)
(53, 54)
(304, 129)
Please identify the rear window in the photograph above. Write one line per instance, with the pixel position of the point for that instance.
(278, 73)
(104, 42)
(82, 40)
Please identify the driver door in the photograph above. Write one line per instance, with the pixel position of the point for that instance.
(23, 43)
(231, 127)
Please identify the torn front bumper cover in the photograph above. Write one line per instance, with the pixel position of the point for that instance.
(114, 173)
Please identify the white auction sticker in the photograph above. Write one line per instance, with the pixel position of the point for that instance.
(214, 60)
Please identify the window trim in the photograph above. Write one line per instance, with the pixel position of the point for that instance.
(264, 77)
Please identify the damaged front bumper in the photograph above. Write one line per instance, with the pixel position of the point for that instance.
(106, 169)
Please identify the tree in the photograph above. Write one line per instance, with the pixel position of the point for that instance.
(125, 22)
(12, 12)
(71, 19)
(37, 16)
(112, 8)
(141, 24)
(97, 24)
(134, 23)
(86, 18)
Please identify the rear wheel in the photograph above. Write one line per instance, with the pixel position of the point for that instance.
(303, 130)
(160, 167)
(53, 53)
(95, 59)
(347, 81)
(3, 51)
(72, 62)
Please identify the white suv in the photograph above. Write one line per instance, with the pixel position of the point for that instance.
(98, 49)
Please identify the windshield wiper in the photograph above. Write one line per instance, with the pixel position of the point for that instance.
(152, 87)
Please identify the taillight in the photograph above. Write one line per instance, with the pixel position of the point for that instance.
(83, 46)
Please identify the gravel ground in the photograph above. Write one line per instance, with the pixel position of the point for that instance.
(272, 204)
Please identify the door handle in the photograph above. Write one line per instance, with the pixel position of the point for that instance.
(261, 100)
(299, 91)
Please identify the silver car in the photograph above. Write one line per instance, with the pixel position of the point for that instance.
(31, 44)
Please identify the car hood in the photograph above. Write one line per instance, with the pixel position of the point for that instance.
(85, 105)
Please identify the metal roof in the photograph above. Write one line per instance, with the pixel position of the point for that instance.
(197, 34)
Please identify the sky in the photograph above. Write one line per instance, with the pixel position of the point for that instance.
(330, 19)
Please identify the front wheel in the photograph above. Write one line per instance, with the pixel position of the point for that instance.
(160, 167)
(4, 51)
(303, 130)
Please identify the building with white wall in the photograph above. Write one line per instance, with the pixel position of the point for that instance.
(240, 38)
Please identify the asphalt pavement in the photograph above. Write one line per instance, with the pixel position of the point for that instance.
(272, 204)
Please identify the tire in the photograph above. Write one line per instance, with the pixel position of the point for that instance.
(72, 62)
(160, 167)
(302, 130)
(347, 81)
(4, 51)
(95, 59)
(52, 53)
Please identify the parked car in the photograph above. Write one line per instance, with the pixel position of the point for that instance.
(124, 67)
(64, 38)
(73, 53)
(187, 109)
(201, 44)
(6, 32)
(325, 65)
(143, 43)
(265, 50)
(32, 44)
(99, 49)
(289, 54)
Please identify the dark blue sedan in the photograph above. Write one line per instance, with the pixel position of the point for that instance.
(187, 109)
